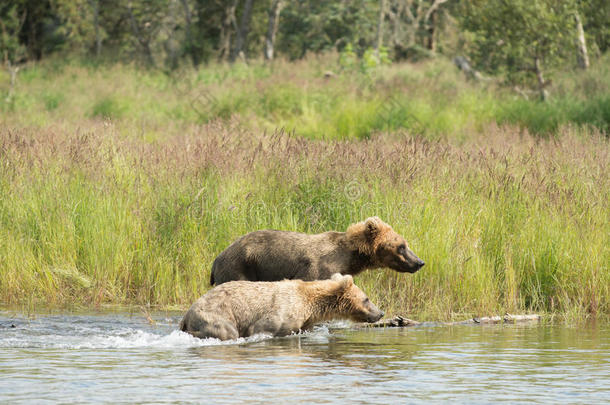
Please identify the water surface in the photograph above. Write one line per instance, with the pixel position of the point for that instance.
(120, 357)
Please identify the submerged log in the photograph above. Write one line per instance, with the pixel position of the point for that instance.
(401, 322)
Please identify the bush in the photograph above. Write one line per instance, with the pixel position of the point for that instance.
(109, 107)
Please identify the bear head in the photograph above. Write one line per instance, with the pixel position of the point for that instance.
(353, 302)
(383, 246)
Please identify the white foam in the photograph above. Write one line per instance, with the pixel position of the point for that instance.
(176, 339)
(124, 339)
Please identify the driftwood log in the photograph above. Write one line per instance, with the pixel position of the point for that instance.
(401, 322)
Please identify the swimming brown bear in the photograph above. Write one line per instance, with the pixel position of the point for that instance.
(277, 255)
(244, 308)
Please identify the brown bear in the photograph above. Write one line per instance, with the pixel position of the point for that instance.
(244, 308)
(277, 255)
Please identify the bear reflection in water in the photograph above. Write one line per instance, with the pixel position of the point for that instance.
(243, 308)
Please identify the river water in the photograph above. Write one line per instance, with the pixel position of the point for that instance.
(122, 358)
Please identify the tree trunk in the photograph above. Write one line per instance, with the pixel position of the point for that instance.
(171, 45)
(12, 70)
(379, 41)
(95, 4)
(188, 18)
(544, 95)
(583, 56)
(430, 24)
(430, 32)
(413, 21)
(242, 32)
(228, 24)
(274, 22)
(144, 43)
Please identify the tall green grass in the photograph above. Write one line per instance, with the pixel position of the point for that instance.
(103, 214)
(432, 99)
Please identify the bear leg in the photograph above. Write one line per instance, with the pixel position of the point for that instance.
(220, 330)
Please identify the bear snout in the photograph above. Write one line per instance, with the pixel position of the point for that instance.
(373, 314)
(374, 317)
(414, 262)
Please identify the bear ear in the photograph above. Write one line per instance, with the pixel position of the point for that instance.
(347, 281)
(344, 281)
(372, 227)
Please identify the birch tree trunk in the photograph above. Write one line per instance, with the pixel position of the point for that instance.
(583, 56)
(544, 95)
(274, 22)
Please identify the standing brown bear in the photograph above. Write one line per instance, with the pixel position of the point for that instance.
(243, 308)
(277, 255)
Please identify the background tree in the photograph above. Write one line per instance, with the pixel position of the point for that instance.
(274, 19)
(595, 15)
(581, 42)
(243, 30)
(415, 25)
(521, 38)
(12, 51)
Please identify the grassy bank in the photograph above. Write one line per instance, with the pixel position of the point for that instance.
(504, 223)
(121, 186)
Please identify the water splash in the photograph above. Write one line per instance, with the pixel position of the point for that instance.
(85, 333)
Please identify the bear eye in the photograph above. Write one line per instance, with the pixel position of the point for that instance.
(402, 249)
(366, 301)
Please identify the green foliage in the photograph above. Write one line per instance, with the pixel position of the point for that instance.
(371, 59)
(546, 118)
(108, 107)
(503, 38)
(316, 26)
(510, 36)
(52, 100)
(348, 58)
(596, 14)
(11, 22)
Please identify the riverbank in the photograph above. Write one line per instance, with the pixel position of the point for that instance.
(94, 213)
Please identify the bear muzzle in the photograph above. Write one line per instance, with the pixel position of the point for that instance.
(375, 317)
(373, 314)
(413, 262)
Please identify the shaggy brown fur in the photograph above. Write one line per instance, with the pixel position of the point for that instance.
(243, 308)
(277, 255)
